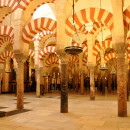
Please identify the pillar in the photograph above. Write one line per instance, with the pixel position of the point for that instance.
(92, 83)
(64, 81)
(81, 74)
(38, 76)
(20, 58)
(103, 82)
(82, 83)
(76, 77)
(121, 83)
(37, 67)
(6, 75)
(109, 83)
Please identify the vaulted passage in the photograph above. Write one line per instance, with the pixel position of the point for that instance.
(65, 63)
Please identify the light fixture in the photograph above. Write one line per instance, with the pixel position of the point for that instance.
(70, 49)
(104, 67)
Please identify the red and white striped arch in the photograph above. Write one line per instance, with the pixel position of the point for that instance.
(51, 60)
(110, 56)
(98, 47)
(98, 59)
(4, 55)
(96, 29)
(74, 59)
(45, 51)
(84, 60)
(7, 13)
(13, 4)
(7, 30)
(126, 17)
(89, 15)
(39, 36)
(25, 3)
(4, 39)
(36, 26)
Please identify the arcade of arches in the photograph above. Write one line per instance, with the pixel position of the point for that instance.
(32, 50)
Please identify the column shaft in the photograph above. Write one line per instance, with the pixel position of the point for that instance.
(121, 84)
(20, 85)
(92, 84)
(38, 82)
(82, 83)
(64, 87)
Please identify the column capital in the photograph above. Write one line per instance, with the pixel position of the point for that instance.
(62, 55)
(38, 68)
(91, 67)
(20, 57)
(120, 48)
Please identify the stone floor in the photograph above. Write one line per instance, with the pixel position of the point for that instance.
(44, 113)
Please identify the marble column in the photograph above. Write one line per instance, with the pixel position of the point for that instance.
(38, 76)
(109, 83)
(64, 81)
(81, 74)
(37, 67)
(103, 82)
(20, 58)
(92, 83)
(76, 77)
(121, 82)
(82, 83)
(6, 75)
(16, 71)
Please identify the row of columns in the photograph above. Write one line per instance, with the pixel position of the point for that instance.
(61, 43)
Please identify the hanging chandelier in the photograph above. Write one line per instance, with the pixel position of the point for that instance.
(70, 49)
(104, 67)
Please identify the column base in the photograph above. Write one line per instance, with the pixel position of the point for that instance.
(20, 107)
(38, 96)
(64, 102)
(92, 98)
(122, 114)
(81, 93)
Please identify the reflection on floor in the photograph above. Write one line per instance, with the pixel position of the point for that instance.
(44, 113)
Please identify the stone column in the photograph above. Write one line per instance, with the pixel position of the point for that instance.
(20, 58)
(16, 71)
(6, 75)
(38, 76)
(76, 77)
(119, 43)
(64, 81)
(82, 82)
(103, 82)
(37, 67)
(121, 81)
(109, 83)
(81, 74)
(92, 83)
(47, 84)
